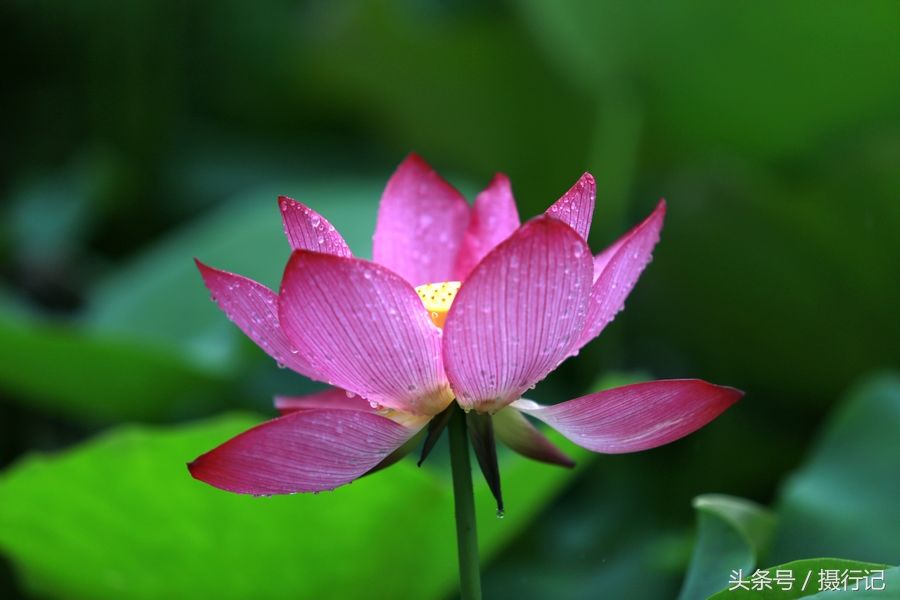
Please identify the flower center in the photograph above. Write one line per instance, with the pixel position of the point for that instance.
(437, 298)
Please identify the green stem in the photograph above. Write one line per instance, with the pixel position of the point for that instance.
(464, 502)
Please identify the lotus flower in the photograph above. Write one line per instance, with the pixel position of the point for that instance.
(459, 304)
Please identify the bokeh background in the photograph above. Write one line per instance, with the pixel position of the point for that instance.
(137, 135)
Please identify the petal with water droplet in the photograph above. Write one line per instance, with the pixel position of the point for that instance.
(308, 230)
(635, 417)
(421, 223)
(305, 451)
(336, 312)
(576, 206)
(254, 309)
(617, 270)
(537, 307)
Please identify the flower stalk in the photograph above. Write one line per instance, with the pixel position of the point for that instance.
(464, 505)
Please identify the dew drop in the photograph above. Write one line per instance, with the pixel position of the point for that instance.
(280, 365)
(349, 394)
(314, 221)
(500, 513)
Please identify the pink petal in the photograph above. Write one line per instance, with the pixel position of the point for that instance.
(254, 309)
(514, 430)
(308, 230)
(494, 218)
(518, 315)
(618, 268)
(576, 207)
(365, 329)
(305, 451)
(332, 398)
(636, 417)
(421, 223)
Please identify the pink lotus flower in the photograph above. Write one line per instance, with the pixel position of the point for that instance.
(460, 304)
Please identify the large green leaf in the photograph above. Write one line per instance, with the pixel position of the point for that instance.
(732, 532)
(95, 377)
(804, 581)
(846, 500)
(121, 518)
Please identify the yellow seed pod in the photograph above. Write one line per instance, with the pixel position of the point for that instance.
(437, 298)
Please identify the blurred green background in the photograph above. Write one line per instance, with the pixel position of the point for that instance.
(140, 134)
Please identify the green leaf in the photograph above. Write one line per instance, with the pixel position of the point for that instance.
(97, 378)
(804, 581)
(846, 499)
(732, 533)
(120, 518)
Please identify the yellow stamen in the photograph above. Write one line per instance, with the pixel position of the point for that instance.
(437, 298)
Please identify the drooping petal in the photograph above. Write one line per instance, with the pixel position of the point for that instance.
(636, 417)
(332, 398)
(576, 207)
(518, 315)
(421, 223)
(305, 451)
(494, 218)
(254, 309)
(513, 429)
(618, 268)
(308, 230)
(365, 329)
